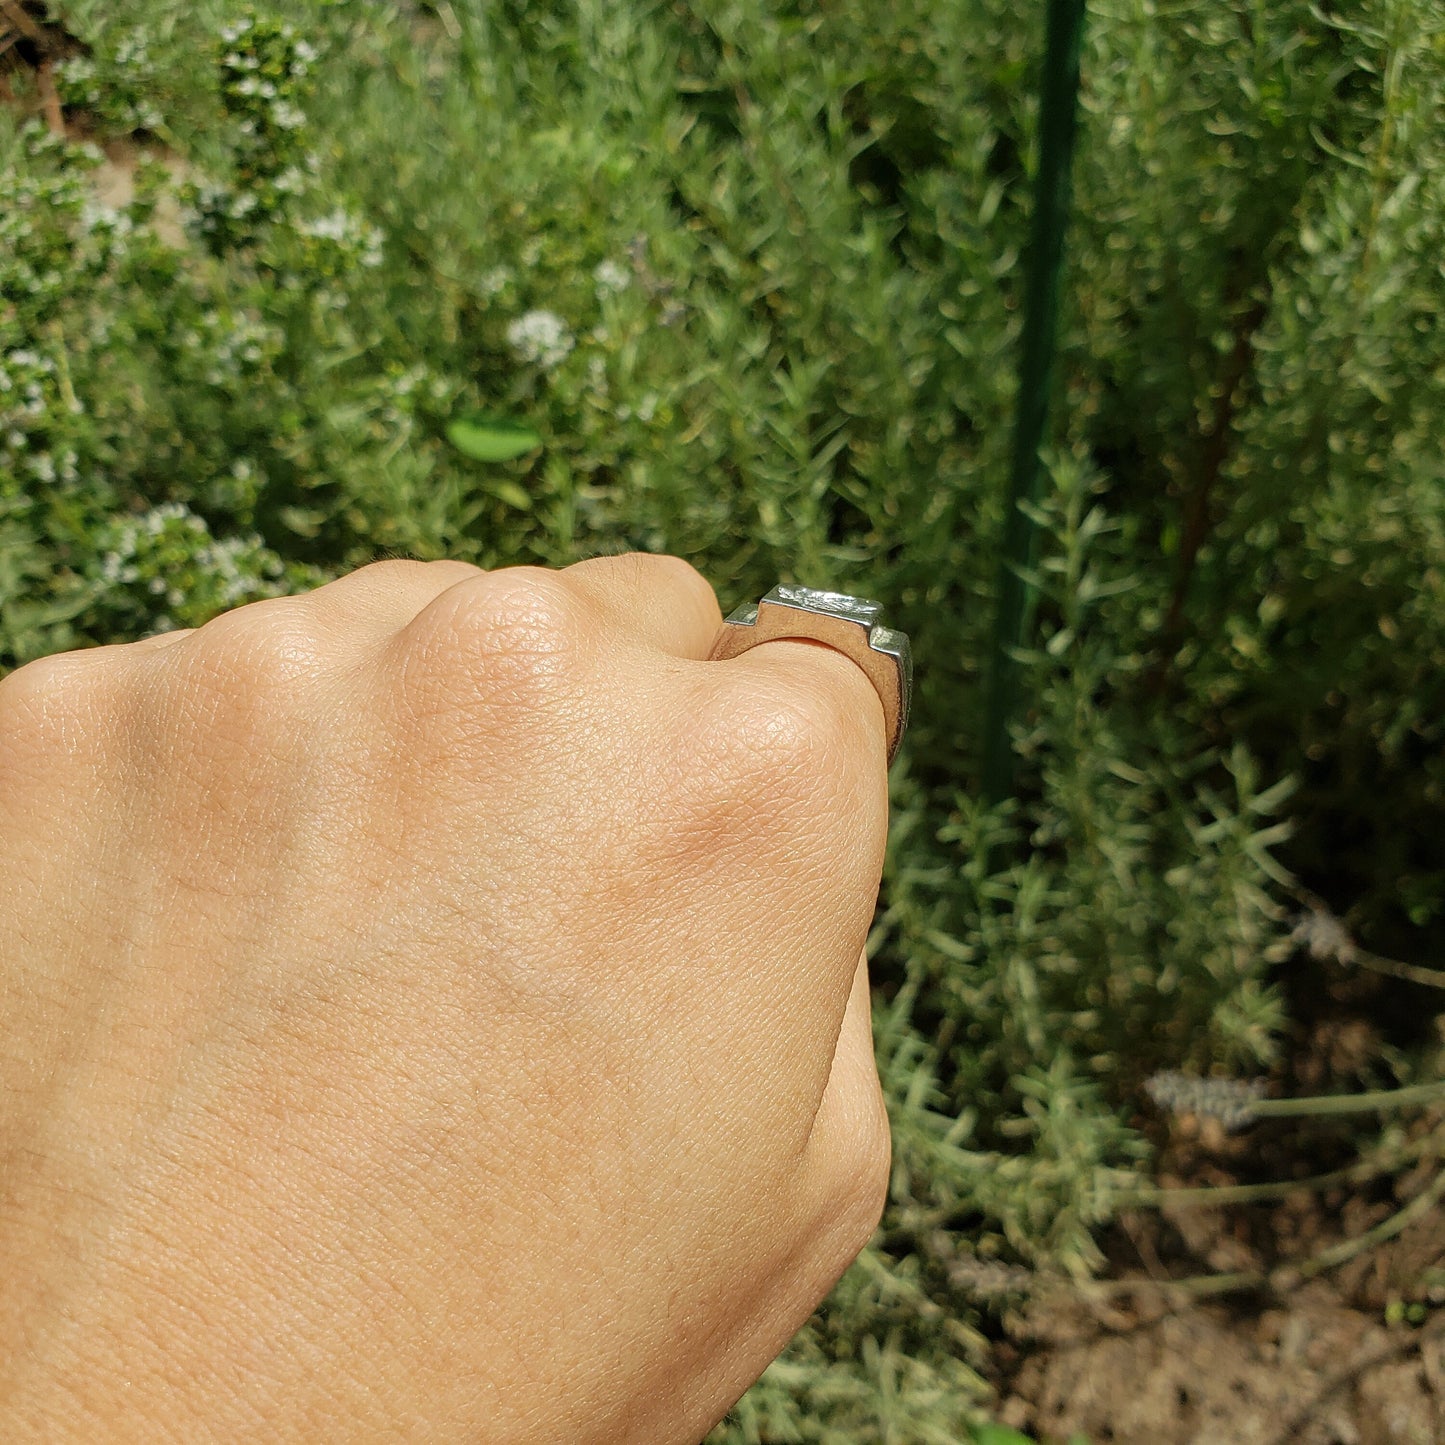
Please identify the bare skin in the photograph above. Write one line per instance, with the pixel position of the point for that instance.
(431, 1008)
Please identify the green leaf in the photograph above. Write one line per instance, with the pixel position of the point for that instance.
(486, 438)
(1000, 1435)
(513, 494)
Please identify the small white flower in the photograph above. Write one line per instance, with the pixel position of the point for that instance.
(610, 277)
(113, 568)
(494, 282)
(541, 337)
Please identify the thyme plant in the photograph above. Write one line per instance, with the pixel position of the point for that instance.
(744, 281)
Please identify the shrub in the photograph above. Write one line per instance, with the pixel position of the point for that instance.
(750, 274)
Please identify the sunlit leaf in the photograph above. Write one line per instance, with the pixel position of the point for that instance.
(486, 438)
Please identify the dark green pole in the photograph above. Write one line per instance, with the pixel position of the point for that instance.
(1058, 105)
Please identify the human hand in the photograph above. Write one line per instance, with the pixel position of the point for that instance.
(431, 1008)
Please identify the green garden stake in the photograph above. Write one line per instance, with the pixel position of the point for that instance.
(1058, 106)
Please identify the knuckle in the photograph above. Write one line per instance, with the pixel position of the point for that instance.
(677, 575)
(65, 720)
(49, 698)
(753, 775)
(519, 613)
(389, 571)
(750, 779)
(390, 578)
(779, 741)
(511, 634)
(853, 706)
(254, 666)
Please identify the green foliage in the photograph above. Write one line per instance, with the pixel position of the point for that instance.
(534, 280)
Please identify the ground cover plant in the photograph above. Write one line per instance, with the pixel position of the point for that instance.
(531, 280)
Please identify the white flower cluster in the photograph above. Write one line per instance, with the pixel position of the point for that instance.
(132, 52)
(151, 548)
(251, 84)
(48, 467)
(541, 337)
(26, 381)
(213, 201)
(644, 411)
(1231, 1101)
(419, 380)
(232, 345)
(120, 83)
(118, 566)
(236, 581)
(237, 36)
(350, 234)
(31, 401)
(97, 216)
(989, 1280)
(52, 236)
(1324, 936)
(263, 66)
(109, 226)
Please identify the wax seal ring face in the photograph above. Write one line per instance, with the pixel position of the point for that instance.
(851, 625)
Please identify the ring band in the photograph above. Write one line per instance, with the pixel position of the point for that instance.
(849, 625)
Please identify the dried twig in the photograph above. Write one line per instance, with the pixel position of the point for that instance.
(15, 14)
(50, 98)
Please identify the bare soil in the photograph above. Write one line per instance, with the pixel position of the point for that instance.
(1309, 1369)
(1354, 1355)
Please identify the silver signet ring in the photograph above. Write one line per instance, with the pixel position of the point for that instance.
(850, 625)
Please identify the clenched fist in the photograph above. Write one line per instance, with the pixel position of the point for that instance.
(431, 1008)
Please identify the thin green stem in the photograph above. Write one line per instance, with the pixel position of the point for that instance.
(1348, 1103)
(1342, 1253)
(1207, 1195)
(1392, 968)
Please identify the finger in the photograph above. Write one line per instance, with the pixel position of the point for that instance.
(661, 600)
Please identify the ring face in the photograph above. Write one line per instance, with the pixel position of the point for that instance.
(851, 625)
